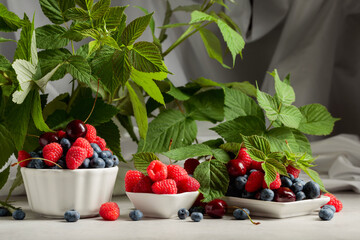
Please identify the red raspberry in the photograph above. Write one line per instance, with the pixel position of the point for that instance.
(61, 134)
(144, 185)
(167, 186)
(75, 157)
(256, 165)
(157, 171)
(91, 133)
(83, 143)
(294, 171)
(53, 152)
(101, 143)
(254, 181)
(190, 165)
(245, 158)
(334, 201)
(176, 172)
(188, 184)
(109, 211)
(132, 177)
(22, 155)
(275, 184)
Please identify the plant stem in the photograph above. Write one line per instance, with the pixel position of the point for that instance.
(179, 106)
(268, 128)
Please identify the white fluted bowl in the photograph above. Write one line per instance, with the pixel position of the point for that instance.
(52, 192)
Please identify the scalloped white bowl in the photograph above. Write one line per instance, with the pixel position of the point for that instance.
(162, 205)
(52, 192)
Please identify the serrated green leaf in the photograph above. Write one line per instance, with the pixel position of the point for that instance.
(58, 119)
(269, 104)
(4, 175)
(51, 37)
(25, 71)
(197, 16)
(85, 4)
(37, 114)
(42, 82)
(231, 147)
(54, 9)
(195, 150)
(6, 40)
(270, 173)
(49, 59)
(283, 90)
(152, 22)
(204, 82)
(278, 166)
(9, 21)
(247, 125)
(79, 68)
(100, 8)
(176, 92)
(214, 143)
(244, 86)
(229, 21)
(126, 122)
(26, 47)
(76, 31)
(316, 120)
(256, 154)
(213, 178)
(276, 155)
(142, 160)
(114, 16)
(221, 155)
(257, 142)
(135, 29)
(76, 14)
(170, 124)
(290, 116)
(315, 177)
(7, 145)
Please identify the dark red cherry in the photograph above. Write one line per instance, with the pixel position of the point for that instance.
(236, 168)
(47, 138)
(198, 201)
(76, 129)
(216, 208)
(284, 194)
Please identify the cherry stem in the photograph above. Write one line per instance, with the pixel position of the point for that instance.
(255, 223)
(28, 159)
(93, 107)
(31, 135)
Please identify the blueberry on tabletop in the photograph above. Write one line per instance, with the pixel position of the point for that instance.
(197, 216)
(326, 214)
(240, 214)
(18, 214)
(200, 209)
(183, 213)
(71, 216)
(329, 207)
(136, 215)
(4, 212)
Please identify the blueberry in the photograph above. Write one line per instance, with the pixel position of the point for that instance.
(298, 180)
(40, 152)
(297, 187)
(116, 160)
(72, 215)
(107, 153)
(136, 215)
(183, 213)
(95, 155)
(197, 216)
(97, 163)
(233, 192)
(331, 207)
(4, 212)
(61, 163)
(240, 183)
(85, 164)
(199, 209)
(300, 196)
(312, 190)
(65, 144)
(246, 194)
(267, 194)
(286, 182)
(326, 214)
(102, 155)
(292, 178)
(34, 154)
(109, 162)
(18, 214)
(96, 147)
(240, 214)
(36, 163)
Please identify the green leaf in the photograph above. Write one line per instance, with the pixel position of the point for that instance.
(6, 40)
(290, 116)
(234, 40)
(315, 177)
(176, 92)
(279, 167)
(170, 124)
(238, 104)
(142, 160)
(270, 173)
(17, 182)
(138, 104)
(49, 59)
(45, 79)
(54, 9)
(269, 104)
(316, 120)
(141, 79)
(4, 175)
(77, 14)
(284, 91)
(231, 147)
(51, 37)
(77, 30)
(204, 82)
(26, 47)
(146, 57)
(58, 103)
(213, 178)
(247, 125)
(126, 122)
(37, 114)
(9, 21)
(256, 154)
(25, 71)
(85, 4)
(114, 16)
(244, 86)
(221, 155)
(79, 68)
(100, 8)
(257, 142)
(197, 16)
(7, 145)
(206, 106)
(195, 150)
(135, 29)
(214, 143)
(58, 119)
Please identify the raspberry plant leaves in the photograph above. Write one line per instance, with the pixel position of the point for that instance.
(54, 9)
(135, 29)
(142, 160)
(233, 147)
(283, 90)
(9, 21)
(51, 37)
(7, 145)
(4, 176)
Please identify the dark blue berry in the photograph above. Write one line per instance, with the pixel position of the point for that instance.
(36, 163)
(298, 180)
(233, 192)
(85, 164)
(61, 163)
(183, 213)
(102, 155)
(292, 178)
(300, 196)
(197, 216)
(136, 215)
(97, 163)
(326, 214)
(40, 153)
(246, 194)
(34, 154)
(65, 144)
(72, 215)
(107, 153)
(95, 155)
(331, 207)
(4, 212)
(116, 160)
(96, 147)
(240, 214)
(286, 182)
(312, 190)
(267, 194)
(109, 162)
(18, 214)
(240, 183)
(297, 187)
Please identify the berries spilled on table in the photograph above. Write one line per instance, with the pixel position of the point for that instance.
(72, 215)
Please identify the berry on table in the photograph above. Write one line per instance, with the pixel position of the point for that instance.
(267, 194)
(329, 207)
(132, 177)
(109, 211)
(18, 214)
(334, 201)
(311, 190)
(326, 214)
(157, 171)
(72, 215)
(136, 215)
(22, 155)
(240, 214)
(190, 165)
(216, 208)
(183, 213)
(200, 209)
(197, 216)
(53, 152)
(4, 212)
(167, 186)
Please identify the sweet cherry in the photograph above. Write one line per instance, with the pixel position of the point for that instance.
(76, 129)
(47, 138)
(216, 208)
(236, 168)
(284, 194)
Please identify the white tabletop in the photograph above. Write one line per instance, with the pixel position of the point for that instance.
(344, 225)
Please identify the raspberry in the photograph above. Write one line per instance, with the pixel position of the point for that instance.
(100, 142)
(132, 177)
(256, 165)
(91, 133)
(334, 201)
(190, 165)
(109, 211)
(188, 184)
(275, 184)
(254, 181)
(245, 158)
(83, 143)
(167, 186)
(22, 155)
(144, 185)
(294, 171)
(176, 172)
(61, 134)
(75, 157)
(157, 171)
(52, 152)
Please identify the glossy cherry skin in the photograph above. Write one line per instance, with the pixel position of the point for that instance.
(236, 168)
(284, 194)
(76, 129)
(216, 208)
(47, 138)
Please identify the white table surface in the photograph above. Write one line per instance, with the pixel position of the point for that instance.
(344, 225)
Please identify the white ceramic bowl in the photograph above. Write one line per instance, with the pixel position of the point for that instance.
(162, 205)
(51, 192)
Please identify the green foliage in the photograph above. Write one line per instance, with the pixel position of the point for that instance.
(55, 9)
(142, 160)
(110, 132)
(9, 21)
(51, 37)
(7, 145)
(4, 176)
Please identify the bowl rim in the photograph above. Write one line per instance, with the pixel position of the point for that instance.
(69, 170)
(272, 203)
(154, 194)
